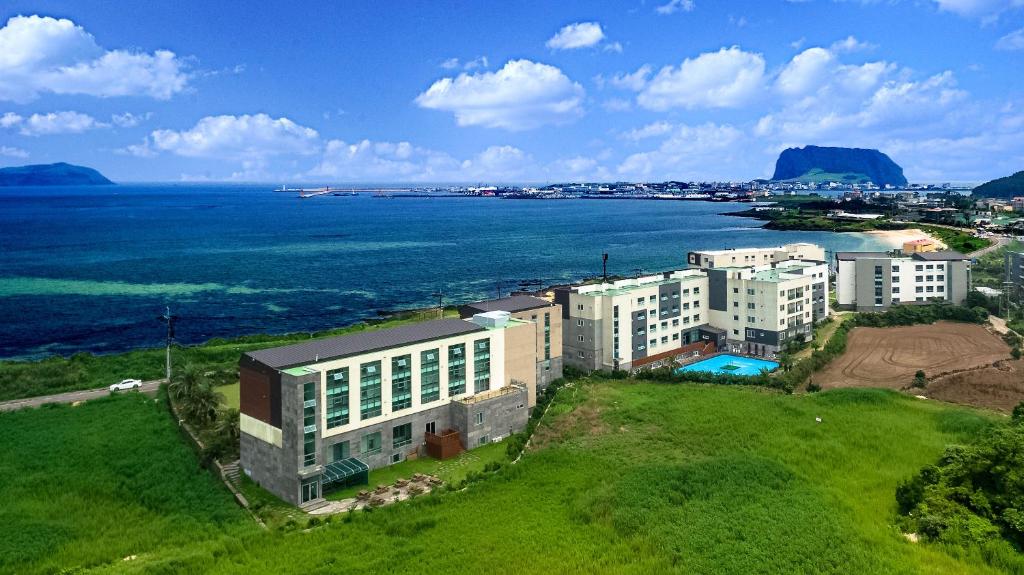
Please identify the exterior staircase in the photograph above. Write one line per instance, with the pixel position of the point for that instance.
(231, 472)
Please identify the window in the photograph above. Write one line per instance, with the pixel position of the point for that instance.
(369, 390)
(483, 440)
(918, 268)
(653, 342)
(895, 269)
(929, 267)
(751, 305)
(735, 332)
(337, 397)
(735, 304)
(664, 325)
(664, 339)
(751, 319)
(653, 327)
(401, 382)
(675, 322)
(481, 365)
(401, 435)
(653, 313)
(750, 291)
(940, 288)
(930, 278)
(918, 289)
(735, 318)
(940, 278)
(895, 289)
(430, 375)
(696, 291)
(579, 307)
(370, 443)
(580, 338)
(640, 316)
(735, 290)
(340, 451)
(457, 369)
(579, 323)
(309, 424)
(696, 317)
(919, 278)
(675, 337)
(652, 298)
(639, 301)
(479, 418)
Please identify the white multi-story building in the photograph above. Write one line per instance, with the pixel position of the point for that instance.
(874, 281)
(631, 322)
(741, 257)
(762, 307)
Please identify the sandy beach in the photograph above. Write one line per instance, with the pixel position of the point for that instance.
(895, 238)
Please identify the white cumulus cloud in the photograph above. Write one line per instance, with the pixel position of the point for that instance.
(986, 10)
(728, 78)
(1012, 41)
(673, 6)
(578, 35)
(11, 152)
(245, 137)
(51, 123)
(47, 55)
(692, 152)
(520, 96)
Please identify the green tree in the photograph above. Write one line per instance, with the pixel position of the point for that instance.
(194, 395)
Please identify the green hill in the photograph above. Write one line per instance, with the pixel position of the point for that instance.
(1007, 187)
(818, 176)
(623, 477)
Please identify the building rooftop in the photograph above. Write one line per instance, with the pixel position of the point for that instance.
(359, 343)
(755, 249)
(511, 304)
(625, 286)
(846, 256)
(944, 255)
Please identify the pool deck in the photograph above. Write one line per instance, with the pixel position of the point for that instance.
(699, 359)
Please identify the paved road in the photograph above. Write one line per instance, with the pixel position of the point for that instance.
(149, 387)
(998, 242)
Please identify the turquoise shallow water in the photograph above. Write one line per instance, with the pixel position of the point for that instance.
(731, 365)
(89, 269)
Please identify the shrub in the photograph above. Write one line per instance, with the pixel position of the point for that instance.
(1015, 353)
(1018, 413)
(813, 387)
(920, 381)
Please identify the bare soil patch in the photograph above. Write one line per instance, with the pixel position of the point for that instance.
(1000, 387)
(889, 357)
(584, 420)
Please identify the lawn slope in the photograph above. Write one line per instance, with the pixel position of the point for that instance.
(630, 477)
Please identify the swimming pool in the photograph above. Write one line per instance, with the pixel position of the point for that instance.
(731, 364)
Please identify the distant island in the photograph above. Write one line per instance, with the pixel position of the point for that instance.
(816, 164)
(1007, 187)
(59, 174)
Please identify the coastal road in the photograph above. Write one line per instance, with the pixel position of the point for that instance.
(149, 387)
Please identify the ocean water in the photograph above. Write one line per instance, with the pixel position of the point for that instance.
(90, 269)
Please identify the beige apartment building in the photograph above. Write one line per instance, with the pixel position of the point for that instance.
(741, 257)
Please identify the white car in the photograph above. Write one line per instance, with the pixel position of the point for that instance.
(126, 384)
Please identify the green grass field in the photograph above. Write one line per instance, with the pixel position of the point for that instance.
(86, 485)
(627, 478)
(20, 379)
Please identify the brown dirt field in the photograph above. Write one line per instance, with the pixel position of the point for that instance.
(586, 418)
(1000, 387)
(889, 357)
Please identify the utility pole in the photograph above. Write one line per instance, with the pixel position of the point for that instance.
(440, 306)
(604, 266)
(170, 320)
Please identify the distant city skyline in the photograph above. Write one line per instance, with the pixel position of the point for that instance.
(538, 92)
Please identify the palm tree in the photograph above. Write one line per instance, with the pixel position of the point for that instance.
(201, 407)
(195, 395)
(184, 383)
(227, 426)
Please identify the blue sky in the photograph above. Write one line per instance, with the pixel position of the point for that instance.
(524, 91)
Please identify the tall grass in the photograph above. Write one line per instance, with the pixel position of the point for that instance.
(88, 484)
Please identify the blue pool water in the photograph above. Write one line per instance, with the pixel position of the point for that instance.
(731, 364)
